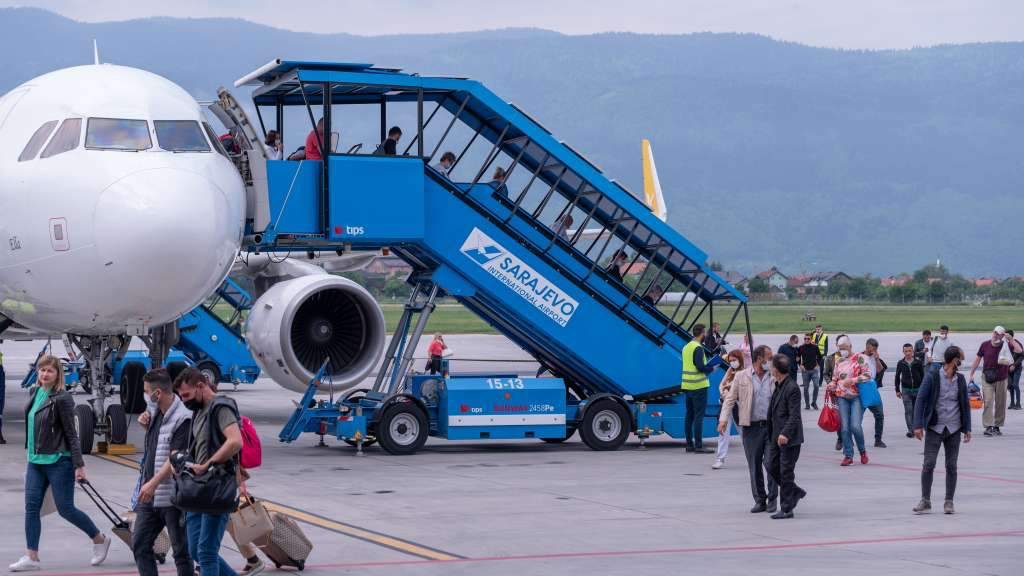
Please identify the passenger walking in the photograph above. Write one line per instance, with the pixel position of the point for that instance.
(654, 295)
(275, 149)
(810, 361)
(446, 163)
(714, 341)
(1015, 370)
(389, 147)
(498, 181)
(820, 339)
(619, 260)
(206, 530)
(785, 435)
(695, 388)
(3, 393)
(942, 416)
(54, 462)
(995, 375)
(850, 371)
(923, 348)
(909, 375)
(751, 393)
(167, 431)
(562, 226)
(313, 142)
(735, 361)
(939, 348)
(789, 350)
(435, 352)
(877, 368)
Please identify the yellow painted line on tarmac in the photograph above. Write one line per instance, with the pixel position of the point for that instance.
(391, 542)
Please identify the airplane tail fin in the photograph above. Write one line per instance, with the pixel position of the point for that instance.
(652, 186)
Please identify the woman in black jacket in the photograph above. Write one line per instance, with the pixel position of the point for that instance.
(54, 462)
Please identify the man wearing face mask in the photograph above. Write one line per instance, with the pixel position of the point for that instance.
(994, 379)
(938, 349)
(785, 435)
(751, 390)
(167, 431)
(877, 367)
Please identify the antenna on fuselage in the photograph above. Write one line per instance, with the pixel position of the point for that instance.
(95, 52)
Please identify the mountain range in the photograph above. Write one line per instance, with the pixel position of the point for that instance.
(769, 153)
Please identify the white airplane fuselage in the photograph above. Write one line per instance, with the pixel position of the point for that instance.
(99, 240)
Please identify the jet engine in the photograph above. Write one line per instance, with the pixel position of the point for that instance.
(298, 323)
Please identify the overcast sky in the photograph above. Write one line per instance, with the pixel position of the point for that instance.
(831, 23)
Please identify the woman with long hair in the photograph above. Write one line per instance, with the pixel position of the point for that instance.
(54, 462)
(736, 364)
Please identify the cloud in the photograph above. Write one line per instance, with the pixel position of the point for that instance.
(872, 24)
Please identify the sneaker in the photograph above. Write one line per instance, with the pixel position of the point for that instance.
(839, 444)
(772, 506)
(880, 444)
(780, 515)
(997, 431)
(99, 551)
(703, 450)
(759, 507)
(864, 458)
(807, 406)
(910, 434)
(718, 464)
(923, 507)
(948, 507)
(252, 567)
(988, 431)
(814, 405)
(25, 564)
(846, 461)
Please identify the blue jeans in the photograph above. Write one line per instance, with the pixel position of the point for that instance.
(205, 531)
(60, 478)
(696, 406)
(851, 412)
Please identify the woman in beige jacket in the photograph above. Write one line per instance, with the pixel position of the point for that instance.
(736, 368)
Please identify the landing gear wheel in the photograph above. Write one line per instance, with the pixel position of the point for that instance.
(210, 371)
(402, 429)
(117, 424)
(569, 431)
(85, 424)
(132, 392)
(355, 396)
(605, 425)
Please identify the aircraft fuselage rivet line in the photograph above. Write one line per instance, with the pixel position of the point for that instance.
(390, 542)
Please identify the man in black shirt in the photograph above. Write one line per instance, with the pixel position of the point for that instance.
(789, 350)
(909, 375)
(810, 361)
(389, 147)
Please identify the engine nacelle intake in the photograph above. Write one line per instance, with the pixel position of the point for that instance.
(298, 323)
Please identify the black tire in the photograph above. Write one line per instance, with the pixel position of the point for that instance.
(402, 429)
(85, 424)
(211, 371)
(117, 424)
(301, 565)
(133, 397)
(569, 431)
(605, 426)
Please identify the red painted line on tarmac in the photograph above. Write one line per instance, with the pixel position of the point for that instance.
(918, 470)
(623, 553)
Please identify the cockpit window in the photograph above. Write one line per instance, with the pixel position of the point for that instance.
(216, 141)
(118, 134)
(66, 138)
(37, 140)
(180, 136)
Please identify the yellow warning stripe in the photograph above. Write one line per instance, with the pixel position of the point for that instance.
(384, 540)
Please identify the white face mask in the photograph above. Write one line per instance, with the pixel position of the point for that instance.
(735, 364)
(844, 352)
(765, 366)
(943, 336)
(151, 406)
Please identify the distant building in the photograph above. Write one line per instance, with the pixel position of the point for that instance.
(982, 282)
(816, 282)
(900, 280)
(775, 279)
(733, 277)
(387, 266)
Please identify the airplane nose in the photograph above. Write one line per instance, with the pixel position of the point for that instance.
(165, 238)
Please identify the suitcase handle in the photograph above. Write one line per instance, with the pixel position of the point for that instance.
(102, 504)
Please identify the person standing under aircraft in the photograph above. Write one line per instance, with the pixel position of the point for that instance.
(167, 431)
(54, 462)
(695, 388)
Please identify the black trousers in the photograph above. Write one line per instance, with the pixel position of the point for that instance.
(908, 409)
(782, 468)
(696, 406)
(950, 442)
(149, 521)
(755, 443)
(879, 415)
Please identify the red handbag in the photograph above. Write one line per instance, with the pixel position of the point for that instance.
(829, 420)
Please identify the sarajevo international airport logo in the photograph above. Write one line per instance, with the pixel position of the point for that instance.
(519, 277)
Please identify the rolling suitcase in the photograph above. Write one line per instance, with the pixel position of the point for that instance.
(122, 525)
(286, 545)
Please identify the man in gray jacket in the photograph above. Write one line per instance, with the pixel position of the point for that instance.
(168, 431)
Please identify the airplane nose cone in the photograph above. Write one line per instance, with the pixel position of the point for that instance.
(165, 238)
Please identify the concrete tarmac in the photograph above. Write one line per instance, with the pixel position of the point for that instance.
(527, 507)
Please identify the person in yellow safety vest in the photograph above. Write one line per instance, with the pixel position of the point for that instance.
(695, 388)
(820, 339)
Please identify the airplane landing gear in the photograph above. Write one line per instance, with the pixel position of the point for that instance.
(109, 422)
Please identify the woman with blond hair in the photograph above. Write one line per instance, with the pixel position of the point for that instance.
(54, 462)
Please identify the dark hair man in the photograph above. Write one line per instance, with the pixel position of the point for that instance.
(444, 166)
(695, 388)
(810, 361)
(205, 531)
(909, 374)
(785, 435)
(877, 367)
(942, 415)
(923, 347)
(167, 431)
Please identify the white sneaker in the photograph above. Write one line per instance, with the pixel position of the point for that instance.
(25, 564)
(99, 551)
(718, 464)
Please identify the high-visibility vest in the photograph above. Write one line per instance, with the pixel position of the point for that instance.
(821, 341)
(693, 379)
